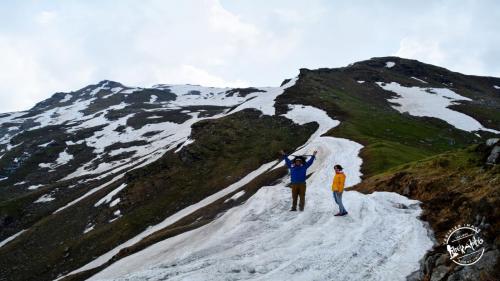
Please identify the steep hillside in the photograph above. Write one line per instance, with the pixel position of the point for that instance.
(261, 239)
(90, 177)
(455, 188)
(369, 116)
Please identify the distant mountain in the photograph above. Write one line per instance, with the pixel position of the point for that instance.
(92, 176)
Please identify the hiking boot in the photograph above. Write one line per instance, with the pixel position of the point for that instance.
(301, 209)
(293, 210)
(338, 214)
(343, 214)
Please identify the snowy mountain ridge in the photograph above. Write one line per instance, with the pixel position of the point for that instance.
(123, 168)
(116, 139)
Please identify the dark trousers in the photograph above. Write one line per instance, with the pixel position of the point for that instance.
(298, 190)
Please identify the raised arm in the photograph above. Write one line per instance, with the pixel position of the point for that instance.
(287, 161)
(311, 160)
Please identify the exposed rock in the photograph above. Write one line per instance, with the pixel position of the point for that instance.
(494, 157)
(439, 272)
(482, 270)
(492, 141)
(406, 190)
(442, 259)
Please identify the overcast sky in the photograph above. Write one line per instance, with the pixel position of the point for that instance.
(54, 46)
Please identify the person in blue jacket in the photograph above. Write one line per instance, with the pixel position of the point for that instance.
(298, 168)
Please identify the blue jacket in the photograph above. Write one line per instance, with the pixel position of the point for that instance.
(298, 173)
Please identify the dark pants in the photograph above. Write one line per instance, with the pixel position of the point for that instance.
(298, 190)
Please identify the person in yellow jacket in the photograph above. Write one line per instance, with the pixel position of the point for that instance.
(338, 188)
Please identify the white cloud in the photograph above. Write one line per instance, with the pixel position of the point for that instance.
(189, 74)
(422, 49)
(221, 19)
(65, 46)
(19, 81)
(46, 17)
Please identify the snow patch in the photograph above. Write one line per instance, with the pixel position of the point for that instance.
(74, 143)
(432, 102)
(106, 199)
(33, 187)
(115, 202)
(64, 157)
(45, 144)
(419, 80)
(90, 192)
(390, 64)
(116, 89)
(45, 198)
(496, 87)
(89, 228)
(130, 91)
(360, 81)
(118, 214)
(44, 165)
(8, 239)
(66, 98)
(153, 98)
(98, 89)
(235, 196)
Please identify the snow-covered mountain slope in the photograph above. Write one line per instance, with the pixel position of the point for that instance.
(261, 240)
(95, 175)
(116, 124)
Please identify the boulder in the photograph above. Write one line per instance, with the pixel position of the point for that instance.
(494, 156)
(492, 141)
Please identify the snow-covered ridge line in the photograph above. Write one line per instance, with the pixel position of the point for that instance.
(77, 113)
(263, 101)
(432, 102)
(381, 240)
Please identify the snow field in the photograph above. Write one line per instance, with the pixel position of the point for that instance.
(262, 240)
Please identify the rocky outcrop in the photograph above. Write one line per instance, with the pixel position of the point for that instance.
(455, 188)
(494, 156)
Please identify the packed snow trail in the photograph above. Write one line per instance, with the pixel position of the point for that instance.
(262, 240)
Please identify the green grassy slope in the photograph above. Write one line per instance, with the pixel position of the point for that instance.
(390, 138)
(456, 188)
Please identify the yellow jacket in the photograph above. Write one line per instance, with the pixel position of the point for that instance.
(338, 182)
